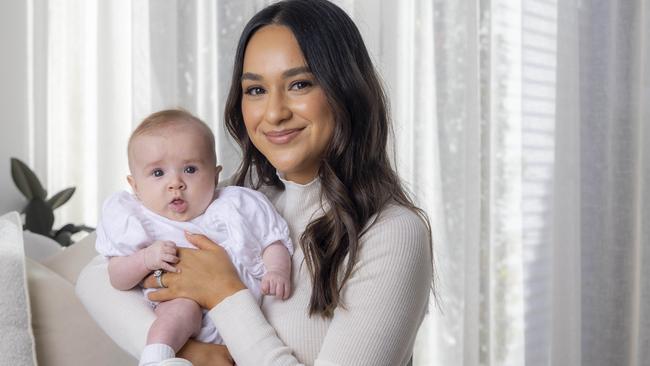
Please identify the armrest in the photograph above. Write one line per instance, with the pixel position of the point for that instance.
(64, 333)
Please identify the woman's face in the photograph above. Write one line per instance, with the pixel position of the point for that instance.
(285, 111)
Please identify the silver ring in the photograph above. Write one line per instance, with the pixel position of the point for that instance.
(158, 275)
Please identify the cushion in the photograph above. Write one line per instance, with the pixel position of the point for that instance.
(65, 334)
(17, 342)
(69, 262)
(38, 247)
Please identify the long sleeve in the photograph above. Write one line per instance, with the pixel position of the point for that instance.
(384, 303)
(125, 316)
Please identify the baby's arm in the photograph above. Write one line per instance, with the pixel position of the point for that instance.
(277, 280)
(126, 272)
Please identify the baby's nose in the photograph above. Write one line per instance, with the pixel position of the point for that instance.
(176, 184)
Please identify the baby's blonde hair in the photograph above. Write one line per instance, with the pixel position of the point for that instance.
(168, 118)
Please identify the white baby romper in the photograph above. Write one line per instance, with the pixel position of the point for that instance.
(241, 220)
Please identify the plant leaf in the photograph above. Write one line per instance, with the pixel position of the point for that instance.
(39, 217)
(64, 238)
(26, 180)
(60, 198)
(67, 227)
(71, 228)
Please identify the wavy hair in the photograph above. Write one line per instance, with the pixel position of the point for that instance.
(357, 179)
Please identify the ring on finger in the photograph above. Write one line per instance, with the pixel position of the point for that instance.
(158, 275)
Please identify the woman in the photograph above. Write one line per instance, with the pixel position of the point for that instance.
(309, 113)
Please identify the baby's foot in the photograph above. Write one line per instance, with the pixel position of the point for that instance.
(159, 354)
(175, 362)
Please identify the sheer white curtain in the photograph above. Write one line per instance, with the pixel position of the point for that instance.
(104, 74)
(542, 115)
(520, 126)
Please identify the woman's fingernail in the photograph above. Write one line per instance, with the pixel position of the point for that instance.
(188, 233)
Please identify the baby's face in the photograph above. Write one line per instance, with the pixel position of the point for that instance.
(172, 172)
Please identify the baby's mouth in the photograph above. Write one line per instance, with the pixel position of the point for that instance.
(178, 205)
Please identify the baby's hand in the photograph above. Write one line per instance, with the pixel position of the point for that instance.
(159, 255)
(276, 283)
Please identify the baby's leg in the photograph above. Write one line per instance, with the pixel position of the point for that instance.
(176, 321)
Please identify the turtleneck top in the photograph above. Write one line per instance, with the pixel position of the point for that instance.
(384, 300)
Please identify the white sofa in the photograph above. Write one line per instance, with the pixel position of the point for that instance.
(43, 322)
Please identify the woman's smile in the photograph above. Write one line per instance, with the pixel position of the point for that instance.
(282, 137)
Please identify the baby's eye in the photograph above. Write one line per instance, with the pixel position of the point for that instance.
(157, 173)
(254, 91)
(190, 169)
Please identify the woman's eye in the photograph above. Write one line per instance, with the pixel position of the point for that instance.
(190, 170)
(158, 173)
(254, 90)
(298, 85)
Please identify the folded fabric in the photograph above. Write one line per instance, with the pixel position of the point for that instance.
(16, 338)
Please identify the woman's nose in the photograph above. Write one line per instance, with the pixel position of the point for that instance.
(277, 109)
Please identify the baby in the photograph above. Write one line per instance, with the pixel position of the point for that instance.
(174, 177)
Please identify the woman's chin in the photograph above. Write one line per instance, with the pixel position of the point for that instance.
(291, 171)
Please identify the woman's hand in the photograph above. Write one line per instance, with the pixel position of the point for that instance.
(200, 354)
(206, 275)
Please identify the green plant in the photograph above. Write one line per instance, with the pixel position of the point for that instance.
(39, 211)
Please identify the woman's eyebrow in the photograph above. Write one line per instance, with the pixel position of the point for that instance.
(285, 75)
(251, 76)
(295, 71)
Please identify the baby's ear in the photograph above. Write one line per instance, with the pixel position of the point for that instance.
(217, 170)
(134, 187)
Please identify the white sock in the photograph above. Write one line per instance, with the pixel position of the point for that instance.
(152, 354)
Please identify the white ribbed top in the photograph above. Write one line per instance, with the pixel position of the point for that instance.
(385, 298)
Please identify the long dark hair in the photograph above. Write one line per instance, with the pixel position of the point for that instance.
(356, 177)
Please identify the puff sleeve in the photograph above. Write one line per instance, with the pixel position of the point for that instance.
(120, 231)
(253, 224)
